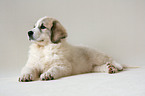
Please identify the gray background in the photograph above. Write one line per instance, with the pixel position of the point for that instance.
(116, 27)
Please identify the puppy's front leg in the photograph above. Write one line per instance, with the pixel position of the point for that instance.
(28, 74)
(56, 71)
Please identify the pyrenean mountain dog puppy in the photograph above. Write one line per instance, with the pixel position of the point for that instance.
(52, 57)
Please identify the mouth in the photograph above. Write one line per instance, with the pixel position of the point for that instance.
(33, 40)
(40, 40)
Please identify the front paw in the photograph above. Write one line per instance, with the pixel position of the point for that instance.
(46, 76)
(26, 78)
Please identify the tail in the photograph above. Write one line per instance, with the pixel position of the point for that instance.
(125, 66)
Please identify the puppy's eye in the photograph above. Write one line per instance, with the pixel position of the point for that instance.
(42, 27)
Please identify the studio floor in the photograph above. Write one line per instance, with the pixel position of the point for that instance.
(130, 82)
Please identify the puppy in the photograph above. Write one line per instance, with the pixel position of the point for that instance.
(51, 57)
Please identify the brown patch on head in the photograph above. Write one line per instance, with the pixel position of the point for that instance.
(57, 32)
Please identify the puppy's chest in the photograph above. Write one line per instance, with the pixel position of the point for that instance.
(47, 56)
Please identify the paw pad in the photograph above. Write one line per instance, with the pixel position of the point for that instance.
(111, 68)
(25, 78)
(47, 77)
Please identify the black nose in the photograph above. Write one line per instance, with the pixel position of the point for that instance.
(30, 33)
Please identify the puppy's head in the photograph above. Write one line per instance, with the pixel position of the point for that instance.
(47, 30)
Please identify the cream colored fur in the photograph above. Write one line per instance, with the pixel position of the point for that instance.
(49, 60)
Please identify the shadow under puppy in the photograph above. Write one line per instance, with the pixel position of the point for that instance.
(51, 57)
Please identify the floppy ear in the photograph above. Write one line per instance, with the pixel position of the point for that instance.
(57, 32)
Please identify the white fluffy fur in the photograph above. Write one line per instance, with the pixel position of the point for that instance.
(63, 59)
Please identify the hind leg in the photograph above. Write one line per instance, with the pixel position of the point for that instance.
(109, 67)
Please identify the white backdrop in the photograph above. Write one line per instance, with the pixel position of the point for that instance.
(116, 27)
